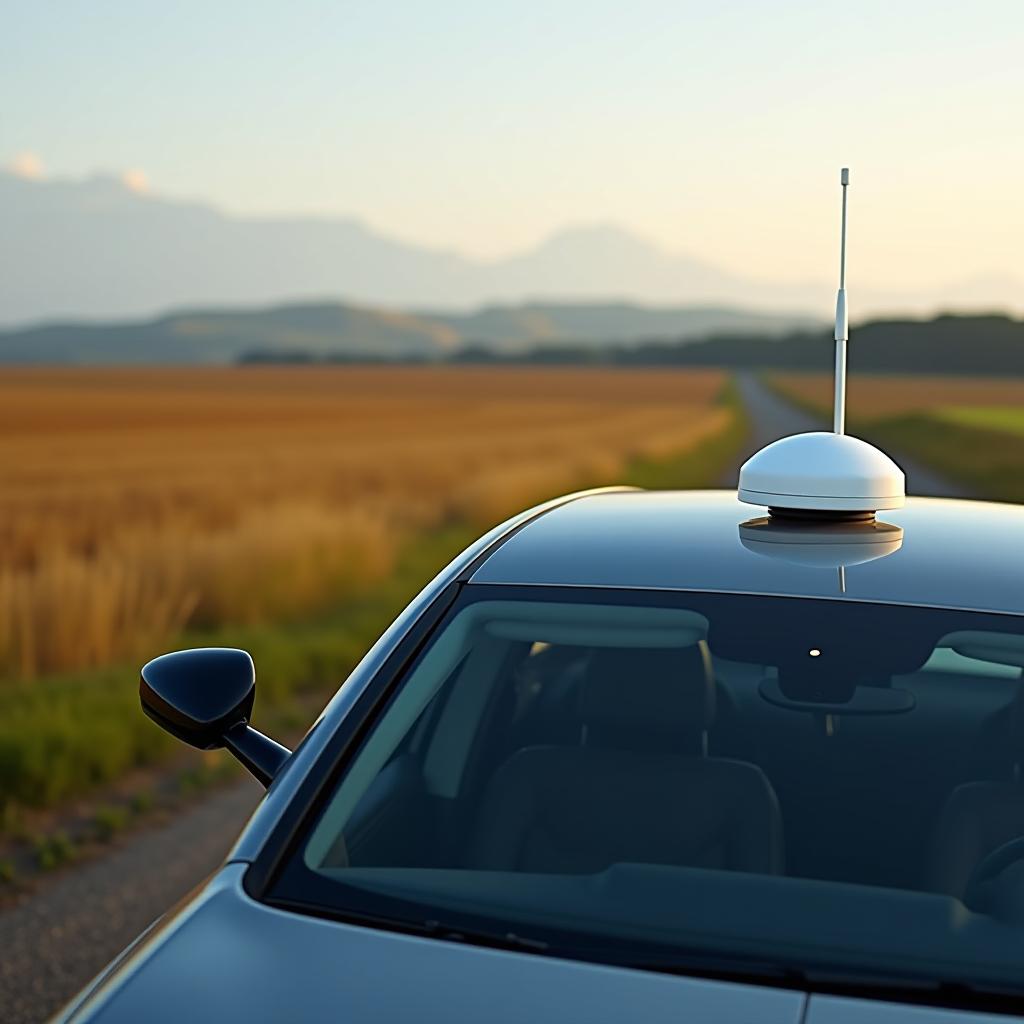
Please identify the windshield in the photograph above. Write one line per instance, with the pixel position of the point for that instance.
(806, 785)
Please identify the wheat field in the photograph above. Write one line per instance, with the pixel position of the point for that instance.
(135, 503)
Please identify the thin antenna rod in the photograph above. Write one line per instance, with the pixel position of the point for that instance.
(842, 326)
(844, 178)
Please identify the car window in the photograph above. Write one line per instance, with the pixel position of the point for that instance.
(809, 783)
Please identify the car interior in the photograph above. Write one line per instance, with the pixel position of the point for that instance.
(560, 739)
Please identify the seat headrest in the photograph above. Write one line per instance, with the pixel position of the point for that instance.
(667, 691)
(1017, 722)
(1002, 648)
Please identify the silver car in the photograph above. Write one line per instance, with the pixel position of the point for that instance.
(632, 756)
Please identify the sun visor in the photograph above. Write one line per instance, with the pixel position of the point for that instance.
(601, 626)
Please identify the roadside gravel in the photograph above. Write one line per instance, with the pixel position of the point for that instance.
(61, 935)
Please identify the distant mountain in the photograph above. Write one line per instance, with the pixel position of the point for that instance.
(334, 330)
(99, 249)
(96, 248)
(606, 262)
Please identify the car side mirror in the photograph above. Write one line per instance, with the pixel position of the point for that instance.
(204, 697)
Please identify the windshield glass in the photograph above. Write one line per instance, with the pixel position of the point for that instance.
(808, 785)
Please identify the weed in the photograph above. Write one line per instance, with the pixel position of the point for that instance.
(108, 821)
(54, 850)
(140, 803)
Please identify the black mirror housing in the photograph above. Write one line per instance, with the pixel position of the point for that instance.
(198, 695)
(204, 697)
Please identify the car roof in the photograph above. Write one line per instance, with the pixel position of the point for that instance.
(954, 554)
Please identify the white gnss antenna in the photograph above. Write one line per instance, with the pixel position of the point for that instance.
(832, 475)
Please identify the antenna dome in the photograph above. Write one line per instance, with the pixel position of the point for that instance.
(823, 472)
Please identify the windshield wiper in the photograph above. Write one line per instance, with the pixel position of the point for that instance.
(694, 963)
(956, 993)
(432, 927)
(477, 936)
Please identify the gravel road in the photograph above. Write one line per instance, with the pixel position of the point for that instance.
(62, 935)
(58, 938)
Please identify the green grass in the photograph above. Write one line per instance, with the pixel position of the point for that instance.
(63, 736)
(108, 820)
(54, 850)
(1008, 419)
(989, 463)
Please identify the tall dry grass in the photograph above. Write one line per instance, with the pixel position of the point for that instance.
(134, 503)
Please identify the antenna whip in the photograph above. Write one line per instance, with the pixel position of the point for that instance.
(842, 331)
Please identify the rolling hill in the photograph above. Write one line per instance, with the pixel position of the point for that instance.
(337, 330)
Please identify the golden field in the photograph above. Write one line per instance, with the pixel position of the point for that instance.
(136, 503)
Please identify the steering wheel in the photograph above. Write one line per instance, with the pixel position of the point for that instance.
(982, 886)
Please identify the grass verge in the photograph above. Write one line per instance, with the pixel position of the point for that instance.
(989, 463)
(1001, 418)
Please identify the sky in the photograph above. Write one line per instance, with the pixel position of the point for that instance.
(715, 128)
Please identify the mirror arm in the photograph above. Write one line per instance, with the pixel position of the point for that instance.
(260, 754)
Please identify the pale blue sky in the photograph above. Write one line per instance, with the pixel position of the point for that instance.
(714, 128)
